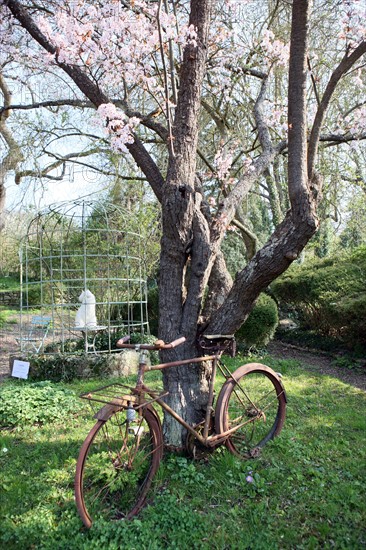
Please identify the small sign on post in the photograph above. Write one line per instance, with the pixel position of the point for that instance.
(20, 369)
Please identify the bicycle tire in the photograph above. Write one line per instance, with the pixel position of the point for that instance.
(116, 465)
(254, 397)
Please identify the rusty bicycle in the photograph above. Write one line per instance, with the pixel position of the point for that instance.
(121, 454)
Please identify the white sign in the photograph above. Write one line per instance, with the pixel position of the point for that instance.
(20, 369)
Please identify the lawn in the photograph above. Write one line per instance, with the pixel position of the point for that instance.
(305, 491)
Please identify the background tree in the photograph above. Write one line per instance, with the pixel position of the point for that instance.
(167, 78)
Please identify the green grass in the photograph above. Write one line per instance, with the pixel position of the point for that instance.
(8, 316)
(308, 489)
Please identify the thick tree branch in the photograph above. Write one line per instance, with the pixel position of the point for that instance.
(299, 225)
(297, 133)
(219, 285)
(185, 231)
(185, 131)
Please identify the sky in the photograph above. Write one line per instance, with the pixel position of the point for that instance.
(42, 194)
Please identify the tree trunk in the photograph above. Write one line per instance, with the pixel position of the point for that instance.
(185, 238)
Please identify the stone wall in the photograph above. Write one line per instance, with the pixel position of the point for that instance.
(8, 298)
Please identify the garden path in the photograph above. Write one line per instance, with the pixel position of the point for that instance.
(321, 362)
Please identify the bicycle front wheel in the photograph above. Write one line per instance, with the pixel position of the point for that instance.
(254, 402)
(116, 465)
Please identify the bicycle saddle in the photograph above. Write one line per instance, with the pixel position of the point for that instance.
(218, 342)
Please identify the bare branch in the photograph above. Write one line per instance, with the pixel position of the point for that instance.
(166, 85)
(61, 161)
(241, 189)
(171, 61)
(346, 63)
(313, 81)
(220, 121)
(336, 139)
(249, 238)
(262, 126)
(146, 120)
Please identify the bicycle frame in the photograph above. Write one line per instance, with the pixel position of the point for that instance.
(140, 390)
(205, 439)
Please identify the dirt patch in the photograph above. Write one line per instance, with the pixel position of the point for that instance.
(8, 346)
(319, 362)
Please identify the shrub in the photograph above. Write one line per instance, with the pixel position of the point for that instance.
(329, 296)
(30, 403)
(3, 318)
(261, 324)
(65, 368)
(59, 367)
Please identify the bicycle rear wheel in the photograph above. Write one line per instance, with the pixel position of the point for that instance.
(116, 465)
(253, 399)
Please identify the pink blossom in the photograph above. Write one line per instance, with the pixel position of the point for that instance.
(277, 52)
(223, 163)
(118, 126)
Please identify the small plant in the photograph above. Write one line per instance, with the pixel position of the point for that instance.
(255, 482)
(35, 403)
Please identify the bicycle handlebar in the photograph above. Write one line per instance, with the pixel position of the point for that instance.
(159, 344)
(174, 344)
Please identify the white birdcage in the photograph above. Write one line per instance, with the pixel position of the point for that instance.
(83, 278)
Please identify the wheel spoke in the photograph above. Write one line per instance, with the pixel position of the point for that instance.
(253, 404)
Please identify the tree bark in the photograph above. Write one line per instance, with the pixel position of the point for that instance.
(185, 237)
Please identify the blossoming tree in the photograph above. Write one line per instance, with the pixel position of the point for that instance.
(171, 82)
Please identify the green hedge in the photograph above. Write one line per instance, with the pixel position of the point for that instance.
(261, 324)
(329, 296)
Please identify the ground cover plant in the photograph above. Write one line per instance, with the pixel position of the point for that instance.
(305, 491)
